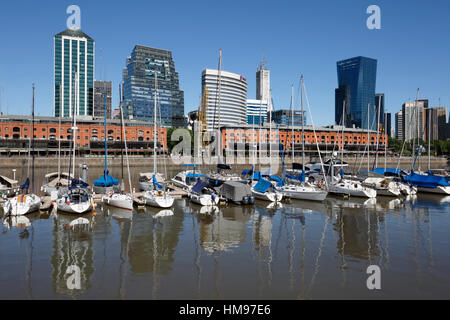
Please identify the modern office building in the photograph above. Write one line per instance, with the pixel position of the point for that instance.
(388, 124)
(379, 103)
(139, 87)
(102, 97)
(256, 111)
(413, 119)
(341, 95)
(435, 123)
(263, 85)
(359, 74)
(73, 73)
(284, 117)
(230, 106)
(399, 125)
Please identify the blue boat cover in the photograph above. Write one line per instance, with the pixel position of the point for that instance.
(299, 178)
(189, 165)
(26, 185)
(199, 186)
(78, 184)
(263, 185)
(388, 170)
(279, 180)
(195, 175)
(155, 183)
(106, 181)
(425, 181)
(246, 172)
(256, 176)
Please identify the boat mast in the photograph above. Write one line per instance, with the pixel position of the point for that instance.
(59, 135)
(106, 140)
(292, 123)
(126, 149)
(429, 135)
(32, 143)
(378, 126)
(219, 140)
(343, 128)
(303, 123)
(155, 141)
(121, 139)
(386, 140)
(74, 128)
(368, 144)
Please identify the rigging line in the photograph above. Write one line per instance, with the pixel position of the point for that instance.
(315, 136)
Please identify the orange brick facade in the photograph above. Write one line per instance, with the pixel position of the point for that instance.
(285, 137)
(85, 132)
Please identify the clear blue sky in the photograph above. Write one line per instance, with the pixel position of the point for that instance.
(308, 37)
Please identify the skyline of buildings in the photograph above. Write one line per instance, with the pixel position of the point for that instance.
(74, 54)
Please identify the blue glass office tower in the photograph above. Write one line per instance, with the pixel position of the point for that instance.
(74, 55)
(359, 74)
(139, 87)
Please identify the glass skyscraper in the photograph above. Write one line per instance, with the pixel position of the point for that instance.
(139, 87)
(74, 55)
(359, 74)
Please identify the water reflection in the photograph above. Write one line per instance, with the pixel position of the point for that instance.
(71, 247)
(300, 250)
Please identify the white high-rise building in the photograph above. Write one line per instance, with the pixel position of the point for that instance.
(263, 85)
(256, 110)
(230, 107)
(413, 120)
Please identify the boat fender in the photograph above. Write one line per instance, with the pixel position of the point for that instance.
(245, 200)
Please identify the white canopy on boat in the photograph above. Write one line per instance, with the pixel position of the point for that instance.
(55, 175)
(8, 182)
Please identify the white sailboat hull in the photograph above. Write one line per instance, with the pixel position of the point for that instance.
(304, 193)
(22, 205)
(203, 199)
(353, 189)
(437, 190)
(75, 208)
(121, 201)
(162, 200)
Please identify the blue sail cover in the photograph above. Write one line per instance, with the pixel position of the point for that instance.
(256, 176)
(299, 178)
(388, 170)
(78, 184)
(26, 185)
(199, 186)
(425, 181)
(279, 180)
(195, 175)
(246, 172)
(263, 185)
(155, 183)
(106, 181)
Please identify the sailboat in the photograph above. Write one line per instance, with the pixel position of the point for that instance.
(302, 190)
(77, 199)
(157, 197)
(202, 195)
(25, 202)
(344, 186)
(55, 181)
(121, 199)
(106, 183)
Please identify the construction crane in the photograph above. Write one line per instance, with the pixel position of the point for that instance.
(201, 113)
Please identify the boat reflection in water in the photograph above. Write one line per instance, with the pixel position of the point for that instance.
(72, 246)
(296, 250)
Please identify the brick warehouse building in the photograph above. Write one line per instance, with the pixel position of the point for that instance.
(15, 134)
(355, 139)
